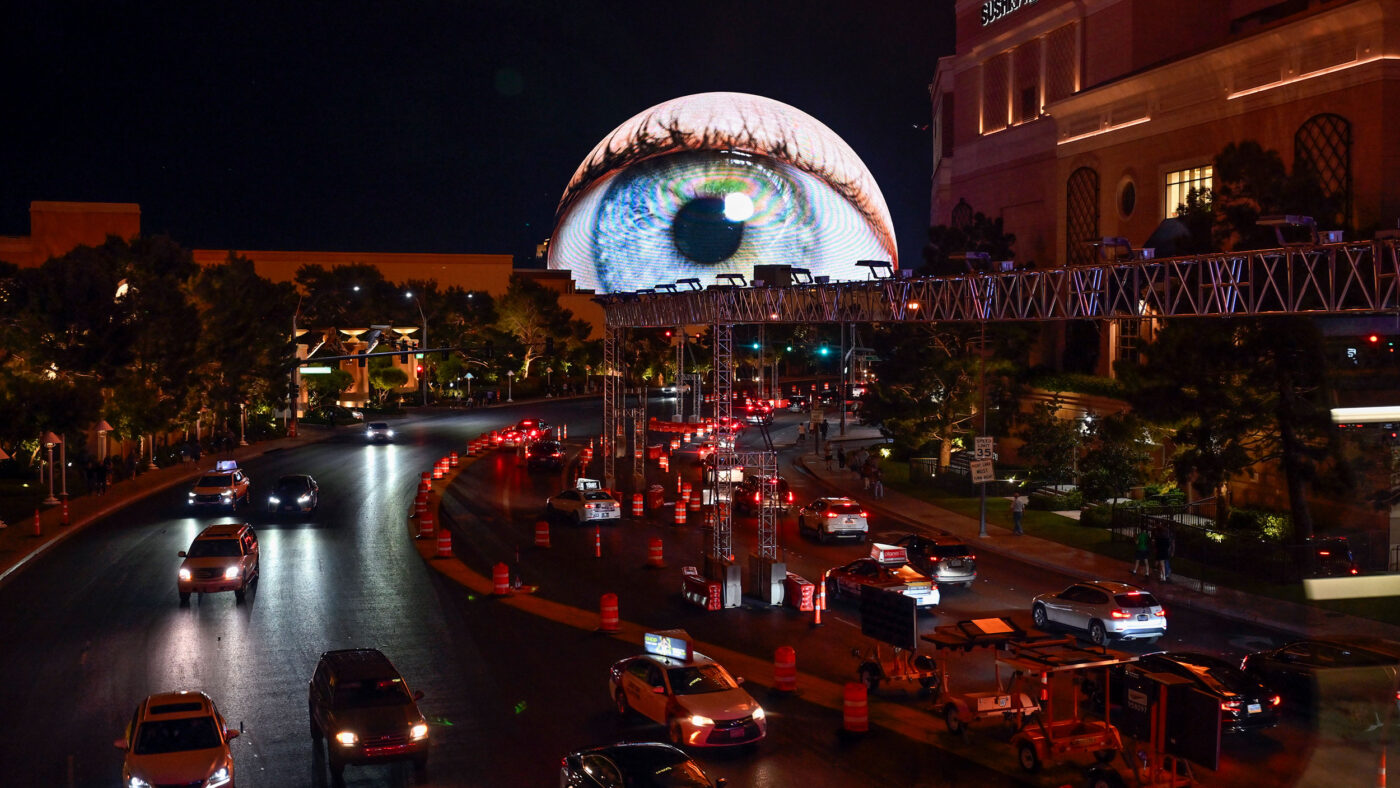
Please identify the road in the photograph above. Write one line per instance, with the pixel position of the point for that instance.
(94, 625)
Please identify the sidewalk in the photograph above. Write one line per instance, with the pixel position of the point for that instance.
(19, 543)
(1300, 620)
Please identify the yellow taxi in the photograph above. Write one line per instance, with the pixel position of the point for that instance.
(222, 558)
(177, 738)
(226, 486)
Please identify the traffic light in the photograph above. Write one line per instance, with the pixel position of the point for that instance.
(668, 333)
(754, 346)
(789, 348)
(420, 369)
(823, 350)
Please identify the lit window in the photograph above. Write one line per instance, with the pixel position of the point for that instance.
(1180, 184)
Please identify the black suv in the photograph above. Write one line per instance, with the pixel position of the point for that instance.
(1311, 674)
(772, 491)
(365, 711)
(544, 455)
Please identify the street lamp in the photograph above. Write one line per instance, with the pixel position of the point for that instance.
(102, 429)
(422, 317)
(469, 385)
(242, 424)
(51, 440)
(510, 378)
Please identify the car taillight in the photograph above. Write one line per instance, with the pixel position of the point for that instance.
(1276, 700)
(789, 497)
(970, 557)
(863, 514)
(590, 506)
(831, 514)
(1355, 571)
(1120, 613)
(1324, 552)
(1229, 705)
(1160, 612)
(757, 497)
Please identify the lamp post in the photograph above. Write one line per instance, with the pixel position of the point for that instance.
(102, 429)
(510, 378)
(469, 386)
(50, 440)
(242, 424)
(421, 316)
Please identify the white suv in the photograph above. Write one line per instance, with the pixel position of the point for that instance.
(833, 518)
(1105, 610)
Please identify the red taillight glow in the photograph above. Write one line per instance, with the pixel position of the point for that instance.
(1120, 613)
(1229, 705)
(1355, 571)
(1324, 552)
(1276, 700)
(789, 497)
(831, 514)
(1160, 612)
(756, 497)
(863, 514)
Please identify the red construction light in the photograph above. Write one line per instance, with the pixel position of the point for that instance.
(1374, 339)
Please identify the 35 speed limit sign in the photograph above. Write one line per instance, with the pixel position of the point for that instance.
(982, 448)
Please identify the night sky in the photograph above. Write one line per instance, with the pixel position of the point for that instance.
(423, 126)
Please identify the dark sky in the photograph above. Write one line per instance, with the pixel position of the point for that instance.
(422, 126)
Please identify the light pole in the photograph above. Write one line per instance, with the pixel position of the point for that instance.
(469, 386)
(242, 424)
(510, 378)
(102, 429)
(50, 440)
(422, 317)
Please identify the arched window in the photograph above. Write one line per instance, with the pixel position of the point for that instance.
(1322, 145)
(1081, 216)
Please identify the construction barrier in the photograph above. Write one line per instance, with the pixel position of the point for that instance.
(542, 533)
(607, 614)
(656, 497)
(655, 558)
(637, 504)
(680, 513)
(855, 700)
(785, 669)
(798, 592)
(420, 505)
(500, 579)
(665, 464)
(444, 542)
(597, 541)
(694, 503)
(699, 591)
(452, 460)
(426, 525)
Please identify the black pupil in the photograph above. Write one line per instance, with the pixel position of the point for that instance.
(702, 232)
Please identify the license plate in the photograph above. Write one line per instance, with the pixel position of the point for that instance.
(850, 521)
(737, 733)
(1255, 708)
(1142, 617)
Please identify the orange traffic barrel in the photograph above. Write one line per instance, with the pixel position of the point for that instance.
(655, 559)
(471, 448)
(437, 471)
(685, 438)
(444, 543)
(636, 504)
(694, 504)
(542, 533)
(685, 491)
(856, 718)
(680, 512)
(675, 444)
(607, 614)
(420, 505)
(500, 579)
(665, 463)
(425, 482)
(426, 525)
(452, 460)
(785, 669)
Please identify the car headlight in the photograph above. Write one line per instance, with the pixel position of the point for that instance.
(226, 494)
(137, 782)
(185, 574)
(191, 498)
(346, 738)
(758, 713)
(221, 776)
(419, 731)
(701, 721)
(388, 433)
(304, 498)
(274, 500)
(231, 573)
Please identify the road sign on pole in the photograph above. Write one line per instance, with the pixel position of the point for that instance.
(982, 447)
(982, 471)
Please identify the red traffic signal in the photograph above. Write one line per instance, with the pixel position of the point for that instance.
(1374, 339)
(420, 369)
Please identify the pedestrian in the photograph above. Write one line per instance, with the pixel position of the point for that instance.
(825, 427)
(867, 473)
(1142, 553)
(106, 473)
(877, 482)
(131, 464)
(840, 455)
(828, 456)
(801, 432)
(1165, 545)
(1018, 511)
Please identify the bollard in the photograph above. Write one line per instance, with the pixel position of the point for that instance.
(607, 614)
(444, 543)
(680, 512)
(655, 560)
(636, 504)
(665, 464)
(500, 579)
(66, 520)
(597, 542)
(38, 531)
(785, 669)
(856, 718)
(563, 432)
(452, 460)
(542, 533)
(426, 525)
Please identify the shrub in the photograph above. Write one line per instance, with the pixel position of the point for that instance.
(1097, 517)
(1270, 526)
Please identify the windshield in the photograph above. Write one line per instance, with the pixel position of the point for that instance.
(293, 485)
(845, 508)
(214, 548)
(191, 733)
(699, 679)
(371, 692)
(378, 425)
(596, 496)
(1142, 599)
(215, 481)
(1215, 673)
(949, 550)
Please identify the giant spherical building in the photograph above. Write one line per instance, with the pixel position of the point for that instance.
(717, 183)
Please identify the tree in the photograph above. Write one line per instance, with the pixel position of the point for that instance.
(384, 377)
(1117, 456)
(320, 388)
(530, 313)
(1051, 448)
(982, 234)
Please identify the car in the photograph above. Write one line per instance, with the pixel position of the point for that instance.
(226, 486)
(1308, 672)
(697, 700)
(798, 403)
(833, 518)
(378, 432)
(365, 712)
(1103, 609)
(532, 429)
(769, 492)
(177, 738)
(1245, 703)
(675, 389)
(585, 503)
(221, 558)
(944, 557)
(544, 454)
(296, 492)
(758, 412)
(887, 568)
(1330, 556)
(633, 765)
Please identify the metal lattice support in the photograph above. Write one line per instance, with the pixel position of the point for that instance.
(767, 464)
(639, 445)
(1356, 278)
(680, 375)
(612, 387)
(723, 545)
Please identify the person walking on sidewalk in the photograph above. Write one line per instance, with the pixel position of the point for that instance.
(1018, 511)
(877, 482)
(1165, 544)
(801, 433)
(1142, 553)
(828, 456)
(824, 427)
(840, 456)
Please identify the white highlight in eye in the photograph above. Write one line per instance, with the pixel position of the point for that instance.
(737, 207)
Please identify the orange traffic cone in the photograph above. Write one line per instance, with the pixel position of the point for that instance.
(1380, 772)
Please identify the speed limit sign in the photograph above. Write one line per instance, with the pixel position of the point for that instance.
(982, 448)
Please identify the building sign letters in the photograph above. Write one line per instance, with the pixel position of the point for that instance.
(993, 10)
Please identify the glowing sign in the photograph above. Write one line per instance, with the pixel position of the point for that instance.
(315, 370)
(993, 10)
(713, 184)
(666, 646)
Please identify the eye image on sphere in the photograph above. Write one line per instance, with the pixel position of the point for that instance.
(716, 183)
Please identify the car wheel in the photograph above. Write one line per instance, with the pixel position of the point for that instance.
(184, 597)
(1040, 616)
(1097, 634)
(870, 675)
(239, 594)
(823, 536)
(420, 770)
(1027, 756)
(337, 770)
(674, 732)
(952, 720)
(621, 699)
(1105, 756)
